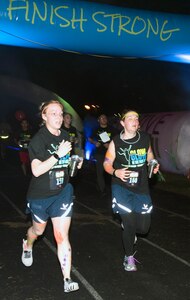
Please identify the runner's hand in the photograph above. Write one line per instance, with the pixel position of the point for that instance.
(123, 174)
(64, 148)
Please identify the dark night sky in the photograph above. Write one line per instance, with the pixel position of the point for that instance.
(173, 6)
(112, 83)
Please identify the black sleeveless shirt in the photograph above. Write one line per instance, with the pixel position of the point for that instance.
(132, 154)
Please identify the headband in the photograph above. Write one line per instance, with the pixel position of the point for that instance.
(129, 113)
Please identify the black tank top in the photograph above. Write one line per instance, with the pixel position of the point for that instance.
(132, 153)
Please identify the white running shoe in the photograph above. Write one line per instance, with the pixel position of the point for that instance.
(26, 258)
(70, 286)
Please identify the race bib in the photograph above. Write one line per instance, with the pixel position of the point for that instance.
(133, 179)
(56, 179)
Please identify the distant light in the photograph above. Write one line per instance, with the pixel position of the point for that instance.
(4, 137)
(91, 106)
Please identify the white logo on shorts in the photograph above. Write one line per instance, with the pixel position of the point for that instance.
(64, 206)
(145, 206)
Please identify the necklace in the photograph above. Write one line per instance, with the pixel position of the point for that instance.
(125, 141)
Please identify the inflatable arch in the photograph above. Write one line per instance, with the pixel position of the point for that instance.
(16, 91)
(95, 29)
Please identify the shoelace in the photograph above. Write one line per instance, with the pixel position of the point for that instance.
(27, 254)
(70, 285)
(131, 259)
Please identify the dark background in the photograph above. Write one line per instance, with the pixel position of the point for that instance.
(111, 83)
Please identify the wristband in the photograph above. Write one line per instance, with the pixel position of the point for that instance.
(56, 156)
(114, 174)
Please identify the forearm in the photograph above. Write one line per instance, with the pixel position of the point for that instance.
(109, 159)
(150, 155)
(108, 167)
(92, 141)
(41, 167)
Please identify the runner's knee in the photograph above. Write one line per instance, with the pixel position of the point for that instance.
(59, 236)
(37, 231)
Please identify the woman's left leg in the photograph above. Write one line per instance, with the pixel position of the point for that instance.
(61, 227)
(143, 222)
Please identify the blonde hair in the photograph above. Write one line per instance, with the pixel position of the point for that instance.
(44, 105)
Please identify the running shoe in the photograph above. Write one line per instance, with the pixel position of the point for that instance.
(26, 258)
(70, 286)
(129, 263)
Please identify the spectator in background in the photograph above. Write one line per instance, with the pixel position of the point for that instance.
(101, 138)
(72, 131)
(22, 138)
(6, 138)
(76, 141)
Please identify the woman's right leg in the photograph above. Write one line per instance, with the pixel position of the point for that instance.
(33, 232)
(129, 231)
(134, 223)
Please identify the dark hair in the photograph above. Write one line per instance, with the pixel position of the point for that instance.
(67, 113)
(101, 116)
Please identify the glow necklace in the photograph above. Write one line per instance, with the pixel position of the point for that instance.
(125, 141)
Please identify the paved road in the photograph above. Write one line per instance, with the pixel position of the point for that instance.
(164, 268)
